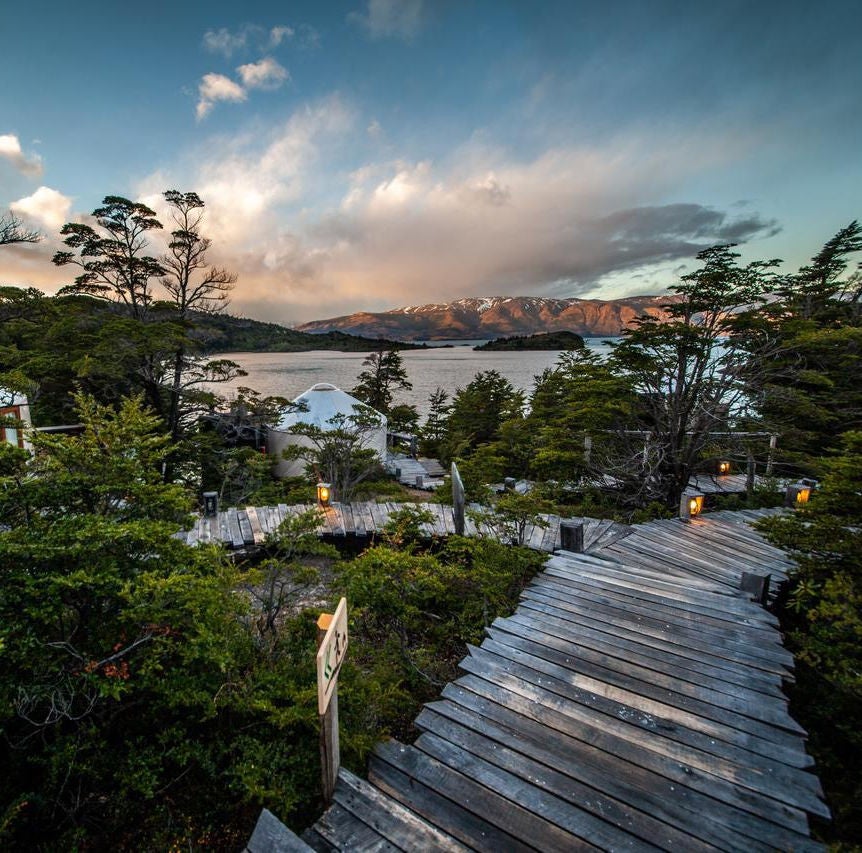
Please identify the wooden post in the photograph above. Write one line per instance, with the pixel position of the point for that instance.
(588, 449)
(331, 650)
(756, 585)
(572, 536)
(458, 500)
(749, 479)
(770, 459)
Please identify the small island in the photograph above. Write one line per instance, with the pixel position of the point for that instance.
(562, 340)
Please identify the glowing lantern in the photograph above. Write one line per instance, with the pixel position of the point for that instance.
(324, 494)
(796, 494)
(724, 467)
(690, 505)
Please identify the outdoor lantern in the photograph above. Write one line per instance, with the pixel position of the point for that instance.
(797, 493)
(210, 504)
(324, 494)
(724, 467)
(690, 505)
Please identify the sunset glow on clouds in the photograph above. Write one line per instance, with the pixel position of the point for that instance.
(393, 152)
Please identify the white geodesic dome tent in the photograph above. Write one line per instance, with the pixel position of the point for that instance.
(321, 405)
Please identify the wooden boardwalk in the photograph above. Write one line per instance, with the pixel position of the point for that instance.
(246, 528)
(633, 701)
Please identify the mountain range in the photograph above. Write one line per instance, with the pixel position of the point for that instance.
(496, 316)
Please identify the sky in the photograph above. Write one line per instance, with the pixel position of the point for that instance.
(370, 154)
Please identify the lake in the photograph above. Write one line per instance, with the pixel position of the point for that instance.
(289, 374)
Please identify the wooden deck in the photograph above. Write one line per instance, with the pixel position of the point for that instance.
(249, 527)
(632, 702)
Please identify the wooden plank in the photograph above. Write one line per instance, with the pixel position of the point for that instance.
(600, 635)
(650, 631)
(664, 688)
(547, 816)
(337, 520)
(245, 527)
(452, 725)
(501, 670)
(254, 522)
(645, 668)
(378, 516)
(388, 817)
(711, 612)
(358, 519)
(237, 540)
(349, 523)
(676, 618)
(674, 706)
(537, 736)
(550, 534)
(417, 784)
(345, 831)
(726, 773)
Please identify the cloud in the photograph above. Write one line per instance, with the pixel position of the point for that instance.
(390, 18)
(10, 149)
(251, 174)
(216, 87)
(278, 34)
(251, 37)
(224, 41)
(46, 207)
(265, 74)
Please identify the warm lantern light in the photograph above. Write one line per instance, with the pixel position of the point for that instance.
(797, 493)
(689, 506)
(324, 494)
(724, 467)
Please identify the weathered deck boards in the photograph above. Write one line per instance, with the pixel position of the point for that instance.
(248, 527)
(632, 702)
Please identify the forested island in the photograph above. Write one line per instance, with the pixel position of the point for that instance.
(544, 341)
(156, 696)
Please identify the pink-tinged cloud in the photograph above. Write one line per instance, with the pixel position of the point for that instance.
(26, 164)
(45, 207)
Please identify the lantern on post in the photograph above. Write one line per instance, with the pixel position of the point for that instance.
(723, 467)
(690, 505)
(797, 493)
(324, 494)
(210, 504)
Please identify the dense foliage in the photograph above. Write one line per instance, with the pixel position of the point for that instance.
(555, 341)
(823, 620)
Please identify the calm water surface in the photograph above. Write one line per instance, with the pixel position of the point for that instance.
(289, 374)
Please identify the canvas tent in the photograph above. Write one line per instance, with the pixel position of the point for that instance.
(14, 411)
(321, 405)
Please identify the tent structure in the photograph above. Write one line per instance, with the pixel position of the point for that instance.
(14, 411)
(322, 405)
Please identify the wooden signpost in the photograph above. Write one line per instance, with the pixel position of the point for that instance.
(331, 651)
(458, 500)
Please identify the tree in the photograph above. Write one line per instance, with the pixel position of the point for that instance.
(808, 345)
(822, 621)
(580, 397)
(137, 708)
(192, 286)
(434, 429)
(113, 263)
(339, 452)
(478, 411)
(689, 374)
(13, 230)
(384, 374)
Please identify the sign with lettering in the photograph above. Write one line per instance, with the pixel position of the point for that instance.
(331, 655)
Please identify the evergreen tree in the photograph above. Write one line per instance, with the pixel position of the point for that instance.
(384, 374)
